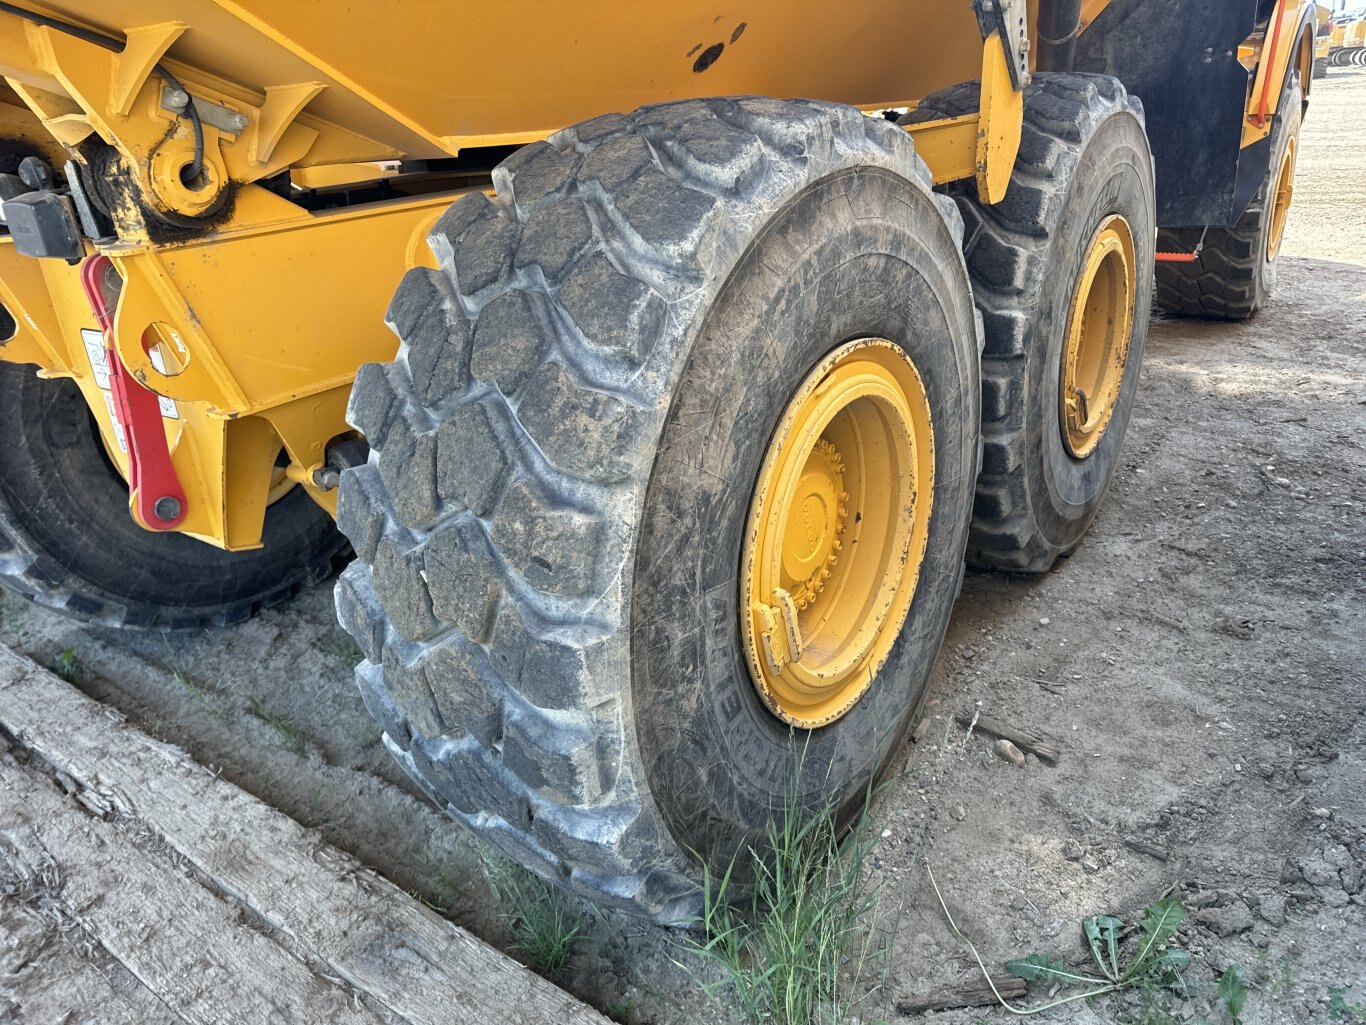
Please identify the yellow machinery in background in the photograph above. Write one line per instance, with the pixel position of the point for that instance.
(1345, 45)
(209, 204)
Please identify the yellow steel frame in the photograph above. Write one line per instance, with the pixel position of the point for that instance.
(270, 311)
(1288, 43)
(981, 146)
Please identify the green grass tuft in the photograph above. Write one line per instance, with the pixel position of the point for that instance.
(796, 948)
(64, 664)
(292, 736)
(537, 914)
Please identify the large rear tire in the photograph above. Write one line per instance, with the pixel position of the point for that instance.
(68, 541)
(1062, 271)
(1235, 272)
(563, 458)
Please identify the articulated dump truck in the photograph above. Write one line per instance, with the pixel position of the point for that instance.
(657, 411)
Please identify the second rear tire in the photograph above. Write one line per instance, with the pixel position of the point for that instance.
(1061, 271)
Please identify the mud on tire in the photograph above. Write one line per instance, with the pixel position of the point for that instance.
(1083, 156)
(565, 442)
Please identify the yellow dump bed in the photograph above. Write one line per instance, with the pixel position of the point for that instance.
(428, 77)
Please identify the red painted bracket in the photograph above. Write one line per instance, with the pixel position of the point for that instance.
(1177, 257)
(153, 484)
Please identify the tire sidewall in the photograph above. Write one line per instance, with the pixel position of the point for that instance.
(862, 253)
(1113, 176)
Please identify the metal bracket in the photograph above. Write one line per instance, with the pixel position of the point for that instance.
(1009, 18)
(210, 113)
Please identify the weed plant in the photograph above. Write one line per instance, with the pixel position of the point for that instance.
(537, 914)
(796, 946)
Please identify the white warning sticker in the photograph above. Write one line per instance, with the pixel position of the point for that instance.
(99, 356)
(99, 364)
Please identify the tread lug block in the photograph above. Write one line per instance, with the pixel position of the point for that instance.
(800, 129)
(606, 835)
(670, 219)
(472, 780)
(467, 694)
(407, 470)
(402, 590)
(1040, 153)
(360, 515)
(483, 257)
(472, 461)
(713, 153)
(509, 341)
(999, 265)
(374, 402)
(410, 692)
(461, 217)
(539, 540)
(437, 353)
(547, 635)
(1000, 391)
(419, 293)
(585, 433)
(617, 161)
(462, 579)
(1083, 162)
(379, 702)
(358, 611)
(994, 502)
(618, 315)
(589, 134)
(551, 673)
(556, 238)
(555, 753)
(1007, 335)
(541, 173)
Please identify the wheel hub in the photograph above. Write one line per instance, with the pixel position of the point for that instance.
(1098, 331)
(816, 524)
(837, 532)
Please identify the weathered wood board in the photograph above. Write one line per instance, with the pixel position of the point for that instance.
(261, 921)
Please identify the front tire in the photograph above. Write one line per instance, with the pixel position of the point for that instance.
(563, 459)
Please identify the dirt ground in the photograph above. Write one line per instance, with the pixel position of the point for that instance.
(1198, 662)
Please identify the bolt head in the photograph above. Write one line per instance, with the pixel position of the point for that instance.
(166, 508)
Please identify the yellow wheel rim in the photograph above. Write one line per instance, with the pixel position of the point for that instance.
(836, 533)
(1280, 202)
(1098, 330)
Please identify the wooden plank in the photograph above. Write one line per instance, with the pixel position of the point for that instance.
(359, 925)
(45, 960)
(183, 943)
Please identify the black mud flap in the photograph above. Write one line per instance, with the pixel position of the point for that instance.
(1180, 57)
